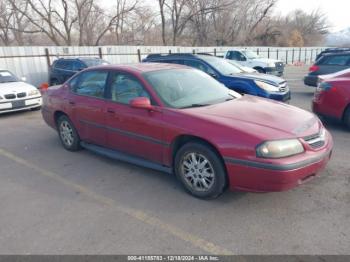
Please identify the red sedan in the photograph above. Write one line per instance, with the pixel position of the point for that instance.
(180, 120)
(332, 96)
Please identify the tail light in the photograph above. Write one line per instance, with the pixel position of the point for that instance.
(314, 68)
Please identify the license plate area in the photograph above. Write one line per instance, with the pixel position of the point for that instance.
(17, 104)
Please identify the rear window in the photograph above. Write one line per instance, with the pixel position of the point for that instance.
(94, 62)
(340, 60)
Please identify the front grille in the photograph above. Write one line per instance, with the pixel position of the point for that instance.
(10, 96)
(21, 95)
(279, 66)
(317, 140)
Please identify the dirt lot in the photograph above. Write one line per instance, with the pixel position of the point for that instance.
(56, 202)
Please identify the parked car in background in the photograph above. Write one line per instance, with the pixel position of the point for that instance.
(64, 68)
(332, 51)
(332, 97)
(16, 95)
(327, 64)
(253, 60)
(231, 76)
(178, 119)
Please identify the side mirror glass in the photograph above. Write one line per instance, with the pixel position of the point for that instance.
(141, 103)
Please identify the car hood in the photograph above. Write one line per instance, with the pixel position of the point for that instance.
(266, 60)
(263, 118)
(274, 80)
(15, 87)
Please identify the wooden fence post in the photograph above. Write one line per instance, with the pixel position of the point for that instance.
(47, 54)
(286, 56)
(277, 53)
(139, 54)
(293, 56)
(100, 52)
(268, 52)
(214, 51)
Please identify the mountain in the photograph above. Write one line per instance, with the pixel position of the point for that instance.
(341, 38)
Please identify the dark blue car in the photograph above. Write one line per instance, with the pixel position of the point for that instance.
(230, 75)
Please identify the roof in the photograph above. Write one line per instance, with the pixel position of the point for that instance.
(144, 67)
(336, 53)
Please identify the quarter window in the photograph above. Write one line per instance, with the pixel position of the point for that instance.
(91, 83)
(125, 87)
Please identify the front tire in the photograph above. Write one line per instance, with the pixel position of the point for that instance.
(200, 170)
(68, 135)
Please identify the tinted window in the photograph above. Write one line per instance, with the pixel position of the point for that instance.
(91, 83)
(341, 60)
(7, 76)
(89, 62)
(125, 87)
(222, 65)
(235, 55)
(59, 64)
(77, 65)
(199, 65)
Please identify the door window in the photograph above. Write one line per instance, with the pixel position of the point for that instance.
(124, 87)
(91, 83)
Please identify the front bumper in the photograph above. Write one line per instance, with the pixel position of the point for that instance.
(283, 97)
(266, 177)
(18, 105)
(311, 80)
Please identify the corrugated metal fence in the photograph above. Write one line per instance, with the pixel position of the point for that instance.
(33, 62)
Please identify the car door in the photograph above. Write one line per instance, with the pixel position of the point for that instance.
(135, 131)
(86, 103)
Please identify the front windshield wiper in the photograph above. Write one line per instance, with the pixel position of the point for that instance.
(195, 105)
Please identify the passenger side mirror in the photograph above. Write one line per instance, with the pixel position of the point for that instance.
(213, 75)
(141, 103)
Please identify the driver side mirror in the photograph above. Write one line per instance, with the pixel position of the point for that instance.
(141, 103)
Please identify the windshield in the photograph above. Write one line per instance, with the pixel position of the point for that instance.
(184, 88)
(251, 55)
(7, 76)
(222, 65)
(94, 62)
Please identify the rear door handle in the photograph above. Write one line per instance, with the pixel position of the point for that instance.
(71, 103)
(111, 111)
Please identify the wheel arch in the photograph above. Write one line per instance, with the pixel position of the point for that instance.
(181, 140)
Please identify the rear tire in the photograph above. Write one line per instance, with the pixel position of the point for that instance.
(68, 135)
(200, 170)
(347, 117)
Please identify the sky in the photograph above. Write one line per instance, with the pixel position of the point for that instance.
(336, 10)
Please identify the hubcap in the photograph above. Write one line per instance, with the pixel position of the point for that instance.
(66, 133)
(197, 171)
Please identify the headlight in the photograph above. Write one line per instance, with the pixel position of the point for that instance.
(279, 148)
(266, 86)
(33, 92)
